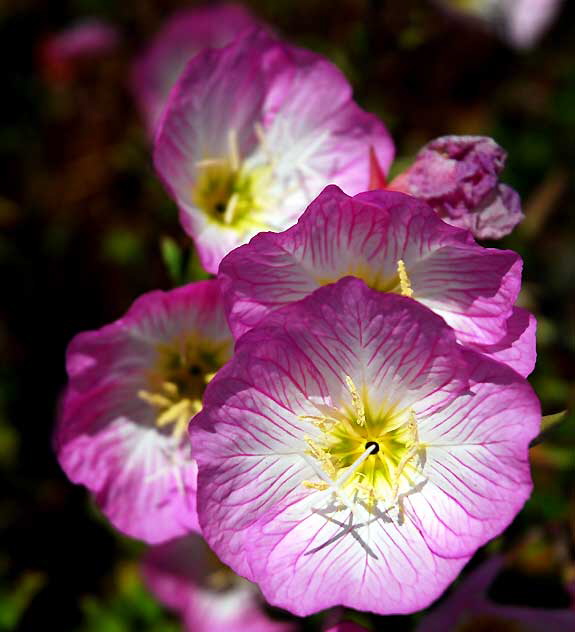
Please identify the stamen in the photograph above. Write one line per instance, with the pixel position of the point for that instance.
(321, 455)
(174, 413)
(316, 485)
(210, 162)
(154, 399)
(404, 282)
(356, 402)
(230, 208)
(414, 448)
(235, 161)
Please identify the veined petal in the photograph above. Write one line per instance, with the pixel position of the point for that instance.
(185, 33)
(143, 482)
(477, 463)
(133, 386)
(310, 559)
(517, 347)
(256, 441)
(373, 236)
(252, 134)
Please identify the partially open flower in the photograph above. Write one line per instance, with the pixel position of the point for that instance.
(133, 387)
(469, 609)
(458, 176)
(189, 579)
(182, 36)
(252, 134)
(396, 244)
(353, 453)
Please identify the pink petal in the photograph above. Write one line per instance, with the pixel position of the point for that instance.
(313, 134)
(181, 574)
(477, 460)
(184, 34)
(143, 477)
(250, 442)
(517, 346)
(471, 287)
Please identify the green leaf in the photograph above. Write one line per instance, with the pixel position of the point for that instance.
(173, 258)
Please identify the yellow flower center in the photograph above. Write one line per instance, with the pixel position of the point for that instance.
(231, 194)
(399, 283)
(177, 384)
(363, 457)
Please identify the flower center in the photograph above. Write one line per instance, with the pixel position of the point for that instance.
(399, 283)
(177, 384)
(229, 192)
(363, 457)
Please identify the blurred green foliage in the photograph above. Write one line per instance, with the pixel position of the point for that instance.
(86, 227)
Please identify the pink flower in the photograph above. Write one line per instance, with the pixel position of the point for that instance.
(189, 579)
(133, 386)
(88, 38)
(520, 22)
(397, 244)
(187, 32)
(527, 20)
(252, 134)
(353, 453)
(469, 608)
(458, 176)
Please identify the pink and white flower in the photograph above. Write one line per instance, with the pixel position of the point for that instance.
(353, 453)
(182, 36)
(469, 608)
(458, 176)
(252, 134)
(521, 22)
(133, 387)
(396, 244)
(189, 579)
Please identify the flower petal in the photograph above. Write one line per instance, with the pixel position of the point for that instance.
(183, 35)
(109, 436)
(471, 287)
(250, 442)
(291, 114)
(477, 463)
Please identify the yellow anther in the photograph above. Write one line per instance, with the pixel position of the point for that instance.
(174, 413)
(231, 208)
(320, 485)
(414, 448)
(170, 388)
(358, 407)
(154, 399)
(233, 148)
(208, 377)
(320, 455)
(404, 282)
(320, 422)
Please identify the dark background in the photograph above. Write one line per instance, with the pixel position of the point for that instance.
(82, 217)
